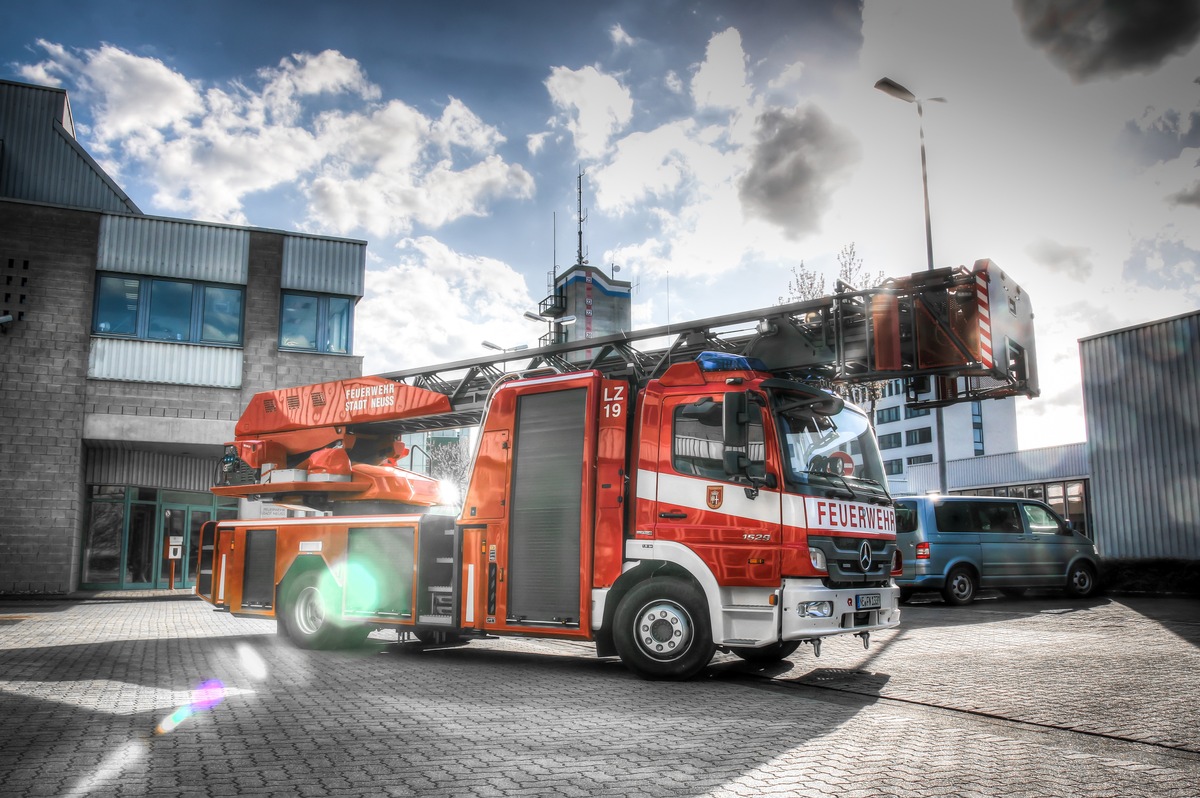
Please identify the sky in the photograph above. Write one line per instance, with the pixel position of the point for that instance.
(722, 144)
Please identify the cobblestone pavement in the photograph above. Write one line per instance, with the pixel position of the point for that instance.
(113, 695)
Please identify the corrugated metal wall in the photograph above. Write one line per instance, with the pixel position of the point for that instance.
(324, 266)
(105, 466)
(42, 162)
(1141, 394)
(1048, 464)
(174, 248)
(176, 364)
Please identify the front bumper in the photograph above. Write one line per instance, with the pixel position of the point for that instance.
(847, 615)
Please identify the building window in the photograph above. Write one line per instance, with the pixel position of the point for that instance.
(153, 309)
(890, 441)
(886, 415)
(915, 437)
(921, 458)
(893, 467)
(315, 323)
(977, 426)
(915, 412)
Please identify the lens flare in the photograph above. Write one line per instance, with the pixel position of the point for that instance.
(204, 697)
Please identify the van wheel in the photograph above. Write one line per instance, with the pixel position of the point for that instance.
(661, 630)
(1081, 580)
(306, 613)
(781, 649)
(960, 587)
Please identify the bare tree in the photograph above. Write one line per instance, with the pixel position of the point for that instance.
(450, 460)
(851, 270)
(807, 284)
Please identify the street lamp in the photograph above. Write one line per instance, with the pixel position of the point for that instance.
(551, 337)
(498, 348)
(894, 89)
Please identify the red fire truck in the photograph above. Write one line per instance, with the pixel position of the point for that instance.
(711, 495)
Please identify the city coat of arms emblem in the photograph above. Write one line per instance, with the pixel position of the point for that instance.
(716, 495)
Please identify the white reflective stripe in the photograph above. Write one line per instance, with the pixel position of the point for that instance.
(692, 492)
(470, 617)
(647, 484)
(793, 511)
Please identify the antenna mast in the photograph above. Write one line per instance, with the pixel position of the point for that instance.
(579, 261)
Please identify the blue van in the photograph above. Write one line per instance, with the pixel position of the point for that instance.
(958, 544)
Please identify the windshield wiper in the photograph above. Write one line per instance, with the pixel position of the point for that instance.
(846, 485)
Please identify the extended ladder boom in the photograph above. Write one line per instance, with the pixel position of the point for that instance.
(971, 329)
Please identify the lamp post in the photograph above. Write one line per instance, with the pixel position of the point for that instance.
(894, 89)
(505, 349)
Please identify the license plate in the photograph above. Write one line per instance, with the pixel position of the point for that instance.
(867, 601)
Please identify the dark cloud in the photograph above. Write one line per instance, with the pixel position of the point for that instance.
(1090, 38)
(798, 154)
(1074, 262)
(1189, 196)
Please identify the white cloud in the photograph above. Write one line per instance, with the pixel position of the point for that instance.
(365, 166)
(436, 305)
(535, 142)
(720, 82)
(619, 37)
(790, 76)
(596, 106)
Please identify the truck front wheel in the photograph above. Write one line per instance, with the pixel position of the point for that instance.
(306, 613)
(662, 630)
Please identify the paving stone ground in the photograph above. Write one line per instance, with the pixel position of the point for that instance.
(1035, 697)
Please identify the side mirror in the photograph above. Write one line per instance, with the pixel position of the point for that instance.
(736, 462)
(734, 423)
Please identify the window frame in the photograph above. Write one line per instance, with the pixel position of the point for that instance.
(143, 308)
(893, 440)
(323, 315)
(918, 436)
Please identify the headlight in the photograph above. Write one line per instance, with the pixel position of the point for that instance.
(817, 558)
(815, 609)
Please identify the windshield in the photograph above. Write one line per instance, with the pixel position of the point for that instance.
(837, 451)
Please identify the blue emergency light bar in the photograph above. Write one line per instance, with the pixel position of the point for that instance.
(723, 361)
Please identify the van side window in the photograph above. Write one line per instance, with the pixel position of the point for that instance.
(906, 516)
(978, 516)
(1040, 519)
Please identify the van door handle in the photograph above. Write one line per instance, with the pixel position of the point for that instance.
(673, 515)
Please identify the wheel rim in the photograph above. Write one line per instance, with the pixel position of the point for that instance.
(309, 611)
(1081, 580)
(960, 586)
(663, 630)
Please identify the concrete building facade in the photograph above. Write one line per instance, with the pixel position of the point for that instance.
(132, 345)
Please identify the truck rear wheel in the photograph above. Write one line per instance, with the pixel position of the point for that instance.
(306, 613)
(662, 630)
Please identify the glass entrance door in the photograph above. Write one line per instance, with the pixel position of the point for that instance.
(174, 528)
(196, 519)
